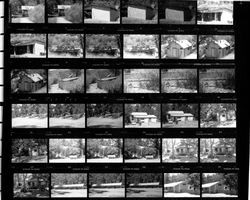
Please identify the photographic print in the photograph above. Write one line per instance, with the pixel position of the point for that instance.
(143, 150)
(103, 46)
(67, 116)
(144, 185)
(180, 150)
(101, 12)
(105, 150)
(106, 185)
(31, 185)
(178, 46)
(66, 81)
(105, 116)
(140, 46)
(217, 81)
(27, 11)
(219, 47)
(65, 45)
(179, 115)
(104, 81)
(29, 150)
(69, 185)
(141, 81)
(218, 150)
(177, 12)
(66, 150)
(181, 185)
(142, 116)
(213, 12)
(218, 115)
(28, 81)
(27, 45)
(65, 11)
(222, 185)
(179, 81)
(29, 116)
(139, 11)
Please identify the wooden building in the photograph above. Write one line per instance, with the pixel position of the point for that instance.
(35, 47)
(178, 49)
(25, 10)
(173, 116)
(180, 187)
(61, 9)
(142, 117)
(105, 13)
(217, 187)
(217, 49)
(30, 82)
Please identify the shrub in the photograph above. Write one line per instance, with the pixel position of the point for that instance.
(37, 14)
(74, 14)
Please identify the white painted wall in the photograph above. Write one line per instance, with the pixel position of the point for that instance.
(103, 15)
(137, 13)
(38, 49)
(175, 15)
(227, 17)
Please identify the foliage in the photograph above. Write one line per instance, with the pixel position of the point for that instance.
(140, 41)
(194, 180)
(23, 37)
(104, 3)
(74, 13)
(37, 15)
(25, 110)
(103, 110)
(52, 4)
(136, 178)
(100, 178)
(60, 110)
(68, 178)
(15, 5)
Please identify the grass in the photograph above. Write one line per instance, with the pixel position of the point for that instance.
(100, 122)
(107, 192)
(26, 122)
(144, 192)
(66, 123)
(189, 124)
(28, 159)
(69, 193)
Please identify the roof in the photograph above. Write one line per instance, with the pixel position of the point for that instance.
(222, 43)
(188, 115)
(107, 184)
(207, 185)
(104, 8)
(173, 184)
(27, 7)
(145, 184)
(69, 185)
(63, 6)
(184, 43)
(140, 6)
(25, 43)
(179, 114)
(142, 114)
(35, 77)
(139, 113)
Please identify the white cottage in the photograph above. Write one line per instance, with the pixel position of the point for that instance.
(179, 116)
(28, 47)
(26, 9)
(143, 117)
(104, 13)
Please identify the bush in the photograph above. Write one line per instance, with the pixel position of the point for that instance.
(74, 14)
(37, 14)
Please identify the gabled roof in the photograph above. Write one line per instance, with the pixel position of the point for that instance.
(184, 43)
(222, 43)
(207, 185)
(107, 184)
(145, 184)
(139, 113)
(173, 184)
(35, 77)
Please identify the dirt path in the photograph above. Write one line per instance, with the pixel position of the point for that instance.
(21, 20)
(59, 20)
(93, 88)
(55, 89)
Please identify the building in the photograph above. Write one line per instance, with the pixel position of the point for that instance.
(180, 187)
(183, 150)
(174, 14)
(61, 9)
(30, 82)
(215, 14)
(107, 185)
(217, 49)
(217, 187)
(35, 47)
(142, 117)
(26, 9)
(145, 185)
(174, 116)
(178, 49)
(105, 13)
(143, 12)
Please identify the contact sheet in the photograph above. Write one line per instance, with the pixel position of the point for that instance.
(125, 99)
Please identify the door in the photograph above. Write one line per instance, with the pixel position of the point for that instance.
(175, 52)
(214, 52)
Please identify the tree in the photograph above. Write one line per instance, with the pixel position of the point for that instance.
(231, 180)
(194, 180)
(37, 15)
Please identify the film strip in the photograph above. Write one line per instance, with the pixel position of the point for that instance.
(95, 109)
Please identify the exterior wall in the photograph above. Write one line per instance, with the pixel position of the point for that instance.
(99, 14)
(226, 17)
(38, 49)
(175, 15)
(138, 13)
(175, 51)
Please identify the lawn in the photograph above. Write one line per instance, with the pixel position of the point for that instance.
(184, 194)
(32, 193)
(69, 193)
(143, 160)
(130, 20)
(187, 124)
(139, 55)
(105, 160)
(68, 160)
(144, 125)
(215, 124)
(27, 159)
(220, 159)
(218, 195)
(181, 160)
(107, 192)
(27, 122)
(101, 122)
(67, 123)
(144, 192)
